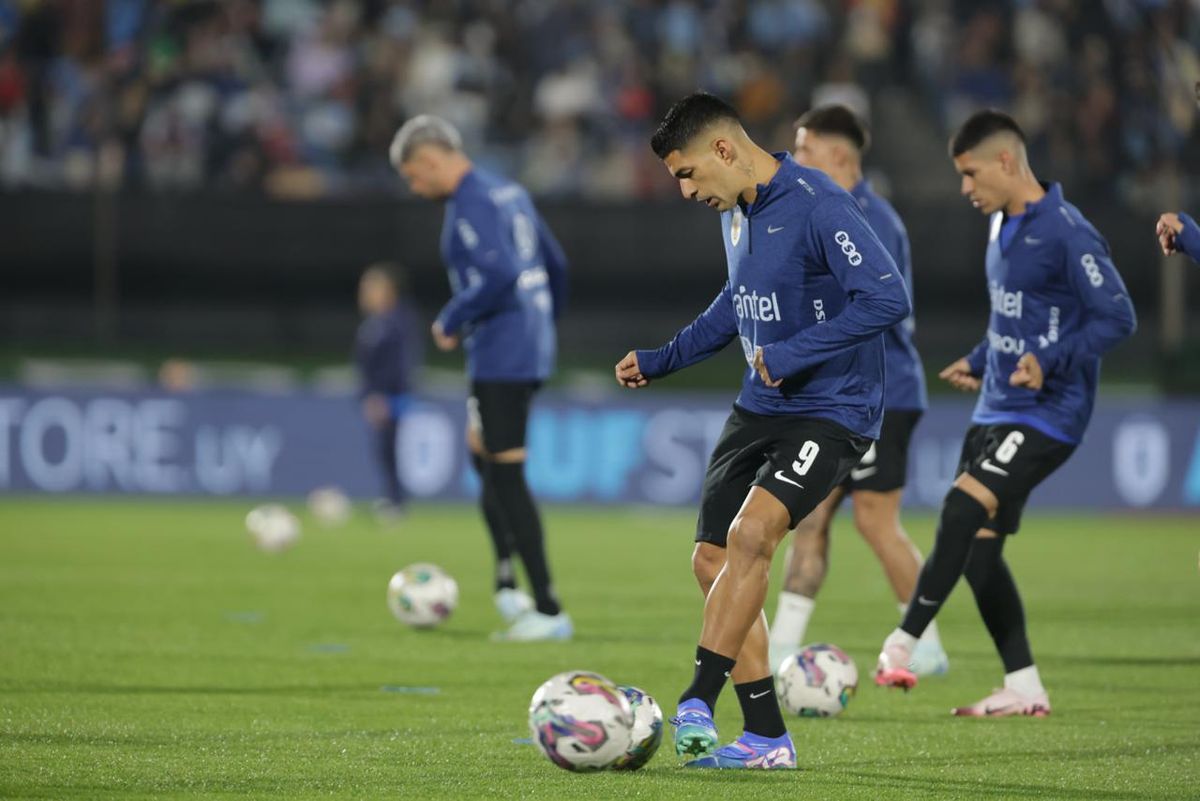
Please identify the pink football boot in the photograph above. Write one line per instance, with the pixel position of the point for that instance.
(893, 668)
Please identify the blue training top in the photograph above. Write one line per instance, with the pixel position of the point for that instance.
(1056, 294)
(810, 284)
(904, 387)
(387, 351)
(508, 274)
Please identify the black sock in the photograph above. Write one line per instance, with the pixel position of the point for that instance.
(712, 670)
(521, 515)
(385, 450)
(999, 602)
(760, 707)
(962, 517)
(501, 538)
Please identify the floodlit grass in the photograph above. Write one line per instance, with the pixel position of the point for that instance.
(147, 650)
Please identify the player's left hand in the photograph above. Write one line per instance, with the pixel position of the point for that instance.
(1028, 373)
(761, 367)
(443, 340)
(1169, 226)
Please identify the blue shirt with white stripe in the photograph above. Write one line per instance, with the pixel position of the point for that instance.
(1055, 293)
(811, 284)
(508, 274)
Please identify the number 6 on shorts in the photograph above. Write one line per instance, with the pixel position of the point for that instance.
(1008, 448)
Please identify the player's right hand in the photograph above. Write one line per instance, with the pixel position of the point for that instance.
(1169, 226)
(958, 375)
(629, 374)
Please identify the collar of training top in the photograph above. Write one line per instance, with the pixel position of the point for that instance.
(1052, 199)
(763, 192)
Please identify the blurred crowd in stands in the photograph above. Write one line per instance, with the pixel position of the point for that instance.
(299, 98)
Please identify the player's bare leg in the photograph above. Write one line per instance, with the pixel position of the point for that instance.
(695, 731)
(707, 562)
(968, 505)
(735, 601)
(877, 518)
(805, 566)
(754, 535)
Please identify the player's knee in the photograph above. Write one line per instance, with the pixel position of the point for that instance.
(510, 456)
(962, 512)
(973, 488)
(984, 556)
(877, 515)
(751, 538)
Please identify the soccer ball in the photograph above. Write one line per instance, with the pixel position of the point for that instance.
(581, 721)
(329, 506)
(273, 527)
(647, 731)
(817, 682)
(422, 595)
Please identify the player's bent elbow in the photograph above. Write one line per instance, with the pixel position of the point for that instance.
(894, 308)
(1129, 325)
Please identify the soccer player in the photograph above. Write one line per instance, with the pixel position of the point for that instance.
(508, 274)
(1178, 233)
(833, 140)
(809, 292)
(386, 352)
(1058, 304)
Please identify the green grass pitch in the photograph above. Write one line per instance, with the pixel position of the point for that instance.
(148, 651)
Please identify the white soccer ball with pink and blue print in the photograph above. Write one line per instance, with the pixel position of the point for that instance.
(581, 721)
(816, 682)
(422, 595)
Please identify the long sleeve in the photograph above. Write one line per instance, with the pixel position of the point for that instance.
(555, 261)
(710, 332)
(1109, 316)
(490, 271)
(1188, 239)
(878, 298)
(977, 358)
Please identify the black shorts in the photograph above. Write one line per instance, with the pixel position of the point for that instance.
(796, 459)
(1010, 459)
(499, 412)
(884, 467)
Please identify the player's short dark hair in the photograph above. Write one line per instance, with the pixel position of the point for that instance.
(836, 120)
(390, 271)
(687, 118)
(980, 126)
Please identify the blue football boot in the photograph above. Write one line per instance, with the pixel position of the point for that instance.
(695, 731)
(752, 751)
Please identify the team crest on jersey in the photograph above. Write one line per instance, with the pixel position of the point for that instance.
(735, 227)
(747, 349)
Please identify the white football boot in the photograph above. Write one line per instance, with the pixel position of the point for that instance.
(1004, 703)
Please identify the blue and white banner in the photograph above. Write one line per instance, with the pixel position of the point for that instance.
(643, 448)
